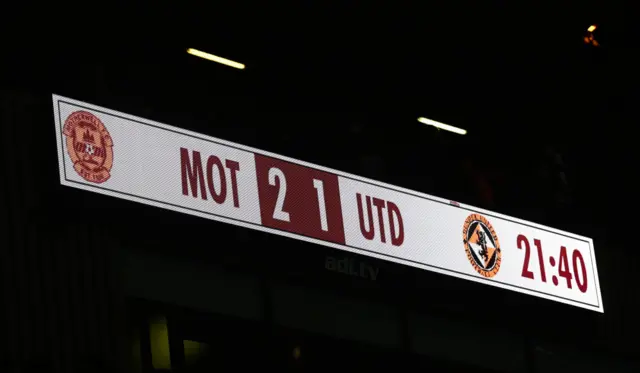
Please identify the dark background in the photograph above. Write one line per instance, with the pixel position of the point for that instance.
(342, 86)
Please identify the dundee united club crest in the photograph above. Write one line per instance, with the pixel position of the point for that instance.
(89, 145)
(481, 245)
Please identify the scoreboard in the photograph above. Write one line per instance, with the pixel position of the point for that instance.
(124, 156)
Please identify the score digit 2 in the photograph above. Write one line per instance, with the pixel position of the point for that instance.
(578, 271)
(299, 199)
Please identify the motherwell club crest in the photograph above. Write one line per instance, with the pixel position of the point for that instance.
(481, 245)
(89, 146)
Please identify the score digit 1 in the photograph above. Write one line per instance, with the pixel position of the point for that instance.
(319, 185)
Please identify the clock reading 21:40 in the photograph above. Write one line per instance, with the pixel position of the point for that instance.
(577, 272)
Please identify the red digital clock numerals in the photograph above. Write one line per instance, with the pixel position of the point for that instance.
(577, 271)
(299, 199)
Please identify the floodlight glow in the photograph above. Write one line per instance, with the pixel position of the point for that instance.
(211, 57)
(443, 126)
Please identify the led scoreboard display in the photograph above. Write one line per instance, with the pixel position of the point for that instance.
(120, 155)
